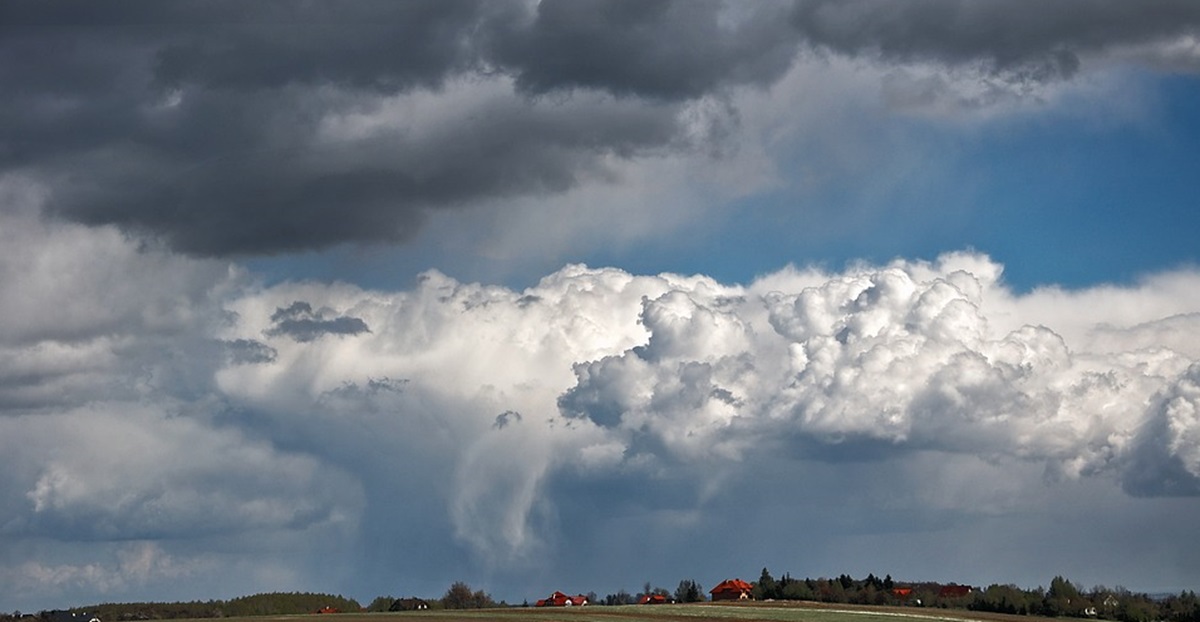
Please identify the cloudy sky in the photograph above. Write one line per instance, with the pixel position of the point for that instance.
(372, 297)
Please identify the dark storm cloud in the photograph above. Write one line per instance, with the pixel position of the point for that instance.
(249, 351)
(1044, 41)
(202, 127)
(660, 48)
(206, 126)
(382, 45)
(301, 323)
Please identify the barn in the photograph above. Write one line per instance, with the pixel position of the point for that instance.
(732, 589)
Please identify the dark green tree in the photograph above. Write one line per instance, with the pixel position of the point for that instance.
(1006, 599)
(766, 587)
(799, 590)
(1137, 608)
(620, 598)
(460, 596)
(381, 603)
(1182, 608)
(1062, 599)
(689, 591)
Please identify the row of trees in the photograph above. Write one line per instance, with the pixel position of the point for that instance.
(1064, 598)
(274, 603)
(1061, 599)
(688, 591)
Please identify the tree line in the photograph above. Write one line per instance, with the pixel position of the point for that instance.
(274, 603)
(1062, 599)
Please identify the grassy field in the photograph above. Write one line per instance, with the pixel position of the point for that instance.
(748, 612)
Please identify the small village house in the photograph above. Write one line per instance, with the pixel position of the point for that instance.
(954, 590)
(732, 589)
(559, 599)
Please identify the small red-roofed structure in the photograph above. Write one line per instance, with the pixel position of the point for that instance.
(954, 591)
(558, 599)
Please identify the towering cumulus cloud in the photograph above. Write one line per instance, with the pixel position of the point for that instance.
(598, 373)
(919, 356)
(514, 406)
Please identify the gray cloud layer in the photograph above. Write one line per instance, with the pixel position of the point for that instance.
(227, 129)
(1046, 42)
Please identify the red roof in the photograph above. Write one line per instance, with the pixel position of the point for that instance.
(558, 599)
(954, 591)
(653, 599)
(731, 585)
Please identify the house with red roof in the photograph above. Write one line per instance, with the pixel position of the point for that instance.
(732, 589)
(954, 590)
(655, 599)
(558, 599)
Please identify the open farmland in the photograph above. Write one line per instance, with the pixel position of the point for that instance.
(768, 612)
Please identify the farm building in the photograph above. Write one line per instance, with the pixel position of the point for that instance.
(655, 599)
(558, 599)
(954, 590)
(732, 589)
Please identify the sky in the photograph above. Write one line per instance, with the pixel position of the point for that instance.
(372, 297)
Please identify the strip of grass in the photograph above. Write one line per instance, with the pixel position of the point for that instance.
(748, 612)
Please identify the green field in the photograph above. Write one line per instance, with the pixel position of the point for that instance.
(770, 612)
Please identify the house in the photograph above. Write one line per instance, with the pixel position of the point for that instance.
(732, 589)
(327, 609)
(902, 593)
(558, 599)
(408, 604)
(655, 599)
(954, 590)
